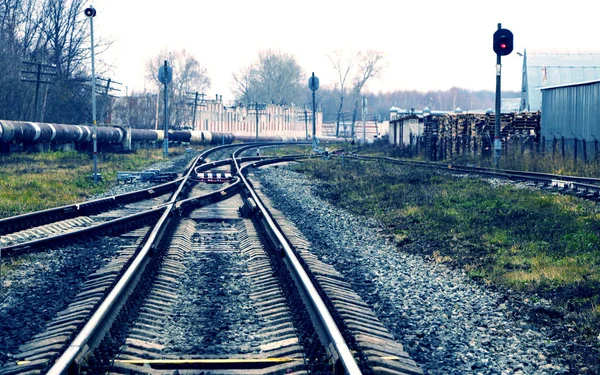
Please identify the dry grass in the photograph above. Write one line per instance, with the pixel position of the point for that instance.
(35, 181)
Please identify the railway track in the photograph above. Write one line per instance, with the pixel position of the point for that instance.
(583, 187)
(212, 280)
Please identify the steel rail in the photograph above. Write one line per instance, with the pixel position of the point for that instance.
(539, 176)
(586, 187)
(335, 341)
(107, 308)
(110, 305)
(28, 246)
(187, 203)
(31, 219)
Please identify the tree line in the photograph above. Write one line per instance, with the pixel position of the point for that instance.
(44, 52)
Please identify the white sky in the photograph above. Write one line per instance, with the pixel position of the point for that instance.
(427, 45)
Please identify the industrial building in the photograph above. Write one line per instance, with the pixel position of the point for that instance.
(571, 111)
(549, 68)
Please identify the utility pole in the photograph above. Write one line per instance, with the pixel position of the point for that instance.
(38, 80)
(306, 121)
(256, 110)
(364, 120)
(105, 95)
(258, 107)
(195, 106)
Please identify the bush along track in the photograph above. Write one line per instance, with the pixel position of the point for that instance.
(530, 244)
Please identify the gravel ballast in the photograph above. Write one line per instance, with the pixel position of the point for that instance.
(33, 288)
(448, 323)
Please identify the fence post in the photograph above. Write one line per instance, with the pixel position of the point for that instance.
(543, 145)
(575, 144)
(417, 143)
(584, 150)
(522, 145)
(562, 146)
(531, 146)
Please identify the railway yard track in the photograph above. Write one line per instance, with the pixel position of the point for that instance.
(252, 276)
(583, 187)
(198, 278)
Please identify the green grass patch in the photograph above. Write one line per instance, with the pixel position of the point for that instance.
(519, 238)
(36, 181)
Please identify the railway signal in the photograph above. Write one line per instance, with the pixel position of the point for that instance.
(91, 13)
(503, 42)
(313, 85)
(503, 45)
(165, 75)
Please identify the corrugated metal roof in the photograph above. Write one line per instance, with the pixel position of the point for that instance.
(571, 84)
(547, 68)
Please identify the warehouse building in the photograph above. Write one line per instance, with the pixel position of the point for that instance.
(572, 110)
(550, 68)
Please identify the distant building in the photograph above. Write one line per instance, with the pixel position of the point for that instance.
(547, 68)
(508, 105)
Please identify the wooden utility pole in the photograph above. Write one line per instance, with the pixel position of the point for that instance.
(40, 72)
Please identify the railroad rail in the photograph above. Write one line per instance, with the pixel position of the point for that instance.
(312, 321)
(584, 187)
(29, 231)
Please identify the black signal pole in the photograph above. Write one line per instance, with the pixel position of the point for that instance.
(503, 45)
(497, 139)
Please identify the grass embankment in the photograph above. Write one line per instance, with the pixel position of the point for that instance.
(35, 181)
(521, 239)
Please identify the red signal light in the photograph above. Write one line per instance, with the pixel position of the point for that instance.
(503, 42)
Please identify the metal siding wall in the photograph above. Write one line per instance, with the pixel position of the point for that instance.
(571, 110)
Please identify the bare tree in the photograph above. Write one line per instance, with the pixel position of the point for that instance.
(188, 76)
(274, 78)
(241, 85)
(50, 32)
(343, 66)
(12, 94)
(370, 65)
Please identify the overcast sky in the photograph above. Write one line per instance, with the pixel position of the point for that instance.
(427, 45)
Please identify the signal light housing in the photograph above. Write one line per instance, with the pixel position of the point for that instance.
(90, 12)
(503, 42)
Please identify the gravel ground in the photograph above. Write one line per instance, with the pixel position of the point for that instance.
(35, 287)
(448, 323)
